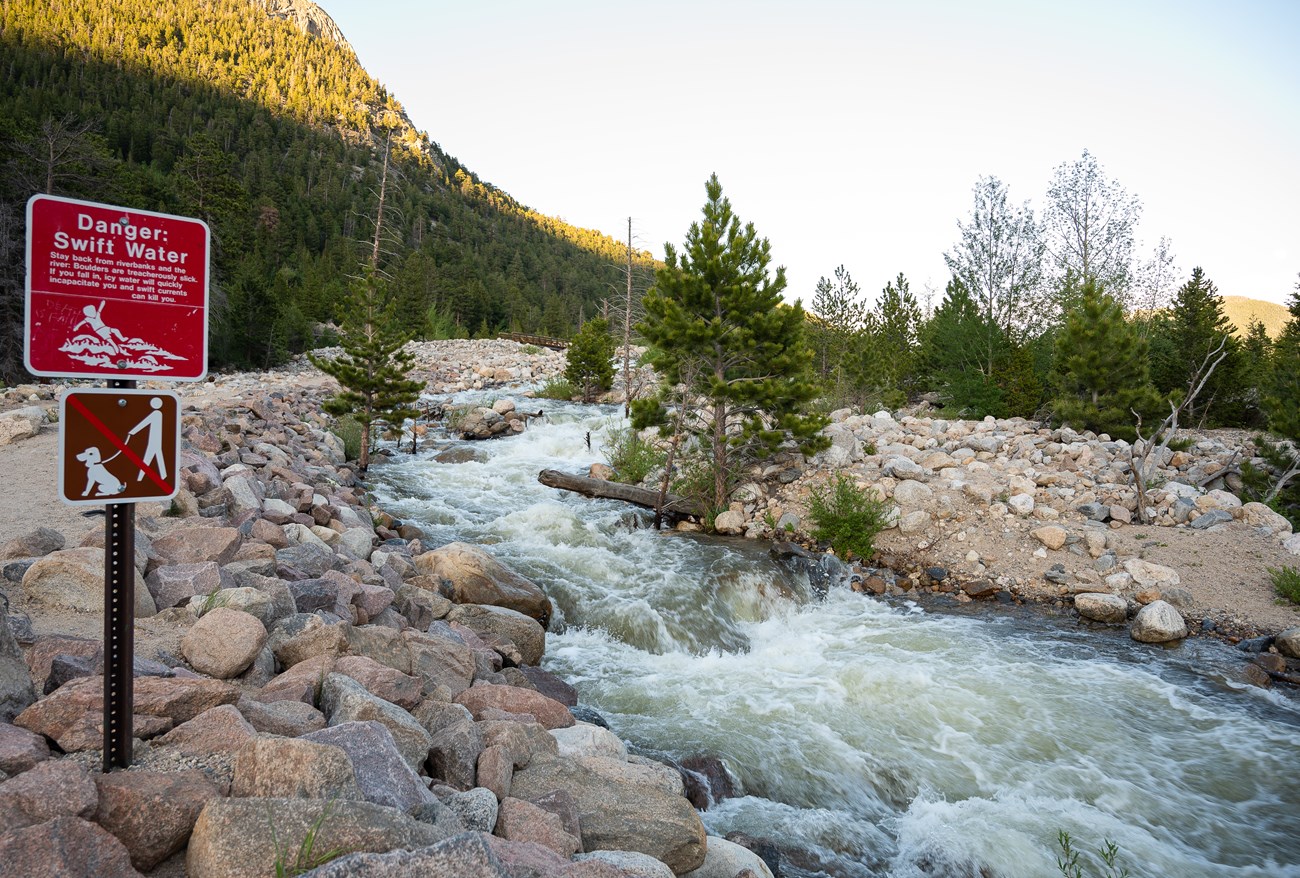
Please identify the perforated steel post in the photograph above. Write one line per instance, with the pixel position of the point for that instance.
(119, 627)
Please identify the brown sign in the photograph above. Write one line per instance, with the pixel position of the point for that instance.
(118, 446)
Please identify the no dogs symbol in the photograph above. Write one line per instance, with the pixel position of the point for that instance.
(118, 446)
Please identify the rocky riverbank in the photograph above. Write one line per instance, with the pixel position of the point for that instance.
(304, 660)
(305, 665)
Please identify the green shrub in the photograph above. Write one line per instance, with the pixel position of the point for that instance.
(847, 517)
(1068, 862)
(557, 387)
(1286, 582)
(348, 429)
(632, 457)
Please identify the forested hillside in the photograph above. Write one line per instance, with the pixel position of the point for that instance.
(211, 108)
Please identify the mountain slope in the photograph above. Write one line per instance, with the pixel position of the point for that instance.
(1242, 310)
(217, 109)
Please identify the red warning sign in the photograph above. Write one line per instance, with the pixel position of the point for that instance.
(118, 446)
(114, 292)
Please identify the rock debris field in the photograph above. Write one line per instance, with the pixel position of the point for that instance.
(306, 665)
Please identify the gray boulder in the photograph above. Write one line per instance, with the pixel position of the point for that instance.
(16, 689)
(619, 811)
(383, 776)
(1101, 607)
(1158, 622)
(345, 700)
(476, 577)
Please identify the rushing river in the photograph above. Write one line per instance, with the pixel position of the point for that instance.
(877, 739)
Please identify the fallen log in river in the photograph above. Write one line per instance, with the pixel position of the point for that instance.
(674, 505)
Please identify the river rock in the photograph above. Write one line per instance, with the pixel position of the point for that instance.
(74, 578)
(629, 863)
(729, 522)
(305, 635)
(726, 859)
(344, 700)
(291, 719)
(66, 847)
(241, 838)
(912, 494)
(616, 814)
(1051, 536)
(521, 630)
(1101, 607)
(20, 749)
(382, 681)
(521, 740)
(54, 788)
(219, 730)
(518, 820)
(152, 812)
(551, 686)
(175, 584)
(382, 775)
(1158, 622)
(1288, 643)
(294, 768)
(494, 769)
(466, 855)
(476, 577)
(584, 739)
(1148, 575)
(514, 699)
(38, 543)
(194, 545)
(21, 423)
(16, 688)
(223, 643)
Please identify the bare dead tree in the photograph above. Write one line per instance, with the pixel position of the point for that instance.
(627, 311)
(1161, 436)
(62, 153)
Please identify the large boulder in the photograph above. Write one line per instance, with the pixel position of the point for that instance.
(222, 729)
(1148, 575)
(288, 718)
(223, 643)
(616, 813)
(465, 855)
(36, 544)
(243, 838)
(344, 700)
(1288, 643)
(518, 820)
(73, 715)
(56, 788)
(20, 749)
(1158, 622)
(22, 423)
(74, 579)
(66, 847)
(16, 689)
(726, 859)
(486, 697)
(382, 775)
(152, 812)
(444, 665)
(380, 680)
(194, 545)
(294, 768)
(475, 577)
(303, 636)
(523, 631)
(176, 584)
(1101, 607)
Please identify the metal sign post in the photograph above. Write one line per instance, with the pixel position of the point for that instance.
(119, 628)
(116, 293)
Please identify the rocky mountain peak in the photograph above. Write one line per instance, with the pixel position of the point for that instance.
(309, 17)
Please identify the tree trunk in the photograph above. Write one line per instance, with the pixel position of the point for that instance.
(647, 497)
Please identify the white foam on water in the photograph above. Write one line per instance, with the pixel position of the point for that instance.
(878, 740)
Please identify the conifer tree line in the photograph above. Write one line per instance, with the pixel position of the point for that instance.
(209, 108)
(1052, 315)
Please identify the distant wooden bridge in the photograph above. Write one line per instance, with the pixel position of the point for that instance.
(555, 344)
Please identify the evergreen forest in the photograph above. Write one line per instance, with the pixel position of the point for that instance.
(214, 109)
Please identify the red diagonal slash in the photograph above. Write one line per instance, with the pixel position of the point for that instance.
(118, 443)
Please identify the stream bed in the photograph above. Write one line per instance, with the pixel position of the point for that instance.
(873, 738)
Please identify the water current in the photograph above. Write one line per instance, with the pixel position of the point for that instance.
(872, 738)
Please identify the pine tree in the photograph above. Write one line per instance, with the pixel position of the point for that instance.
(1281, 403)
(590, 363)
(1197, 325)
(1102, 371)
(954, 354)
(717, 316)
(373, 366)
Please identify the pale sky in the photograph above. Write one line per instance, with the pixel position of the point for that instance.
(852, 132)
